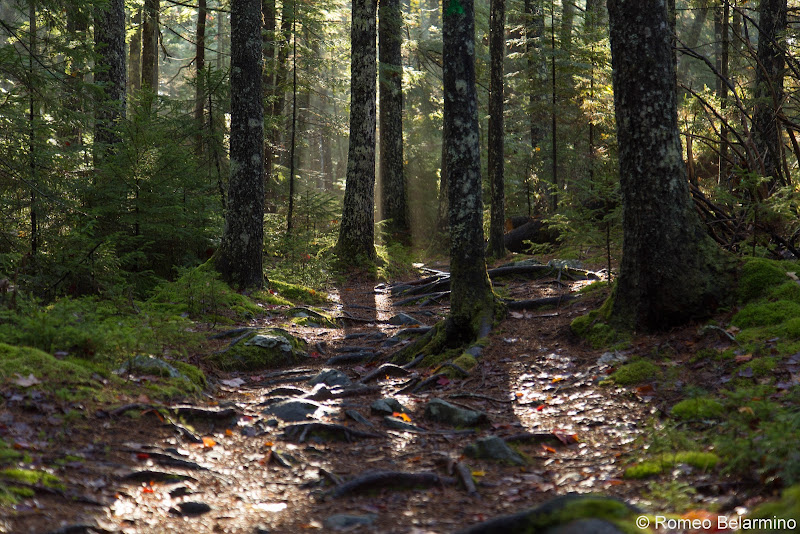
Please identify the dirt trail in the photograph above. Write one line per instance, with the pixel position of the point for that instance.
(250, 477)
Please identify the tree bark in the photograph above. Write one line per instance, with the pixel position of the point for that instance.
(239, 259)
(769, 88)
(200, 63)
(269, 87)
(393, 183)
(357, 231)
(150, 45)
(135, 54)
(471, 298)
(496, 149)
(110, 75)
(671, 270)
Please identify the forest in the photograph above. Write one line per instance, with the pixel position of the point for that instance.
(399, 266)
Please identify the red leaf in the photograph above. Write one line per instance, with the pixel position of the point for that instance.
(142, 456)
(564, 437)
(443, 381)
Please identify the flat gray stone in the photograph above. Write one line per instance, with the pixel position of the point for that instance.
(358, 418)
(294, 410)
(443, 412)
(386, 406)
(331, 377)
(493, 448)
(149, 365)
(345, 521)
(402, 319)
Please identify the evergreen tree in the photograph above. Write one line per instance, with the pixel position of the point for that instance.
(110, 74)
(240, 256)
(357, 231)
(671, 270)
(496, 152)
(392, 179)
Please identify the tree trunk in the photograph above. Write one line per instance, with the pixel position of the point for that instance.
(357, 231)
(239, 259)
(110, 74)
(150, 45)
(671, 271)
(471, 298)
(691, 40)
(496, 150)
(723, 13)
(135, 54)
(769, 88)
(270, 90)
(393, 184)
(200, 63)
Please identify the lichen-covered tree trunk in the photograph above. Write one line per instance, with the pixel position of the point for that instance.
(671, 270)
(135, 53)
(393, 183)
(200, 63)
(471, 297)
(239, 259)
(110, 74)
(150, 45)
(496, 163)
(357, 232)
(270, 89)
(769, 87)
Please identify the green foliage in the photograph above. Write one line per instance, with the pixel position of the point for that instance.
(763, 313)
(698, 408)
(636, 373)
(294, 293)
(787, 507)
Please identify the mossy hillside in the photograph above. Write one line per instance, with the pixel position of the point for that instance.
(637, 372)
(595, 328)
(464, 361)
(261, 349)
(296, 294)
(311, 317)
(49, 371)
(699, 460)
(568, 508)
(10, 478)
(758, 276)
(787, 507)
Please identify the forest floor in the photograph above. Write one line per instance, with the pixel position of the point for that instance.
(131, 472)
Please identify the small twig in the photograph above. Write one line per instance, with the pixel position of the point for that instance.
(465, 476)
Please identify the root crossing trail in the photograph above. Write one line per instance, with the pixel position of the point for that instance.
(293, 451)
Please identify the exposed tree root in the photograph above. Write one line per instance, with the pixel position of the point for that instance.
(535, 304)
(387, 369)
(465, 477)
(391, 480)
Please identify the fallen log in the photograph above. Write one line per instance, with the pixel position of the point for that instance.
(535, 231)
(390, 479)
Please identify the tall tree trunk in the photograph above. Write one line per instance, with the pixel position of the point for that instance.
(110, 74)
(293, 141)
(150, 45)
(553, 192)
(239, 259)
(692, 38)
(33, 117)
(723, 14)
(537, 74)
(471, 298)
(769, 88)
(270, 90)
(357, 231)
(200, 64)
(135, 54)
(671, 270)
(393, 184)
(496, 149)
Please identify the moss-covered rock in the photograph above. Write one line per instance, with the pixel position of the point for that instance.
(311, 317)
(698, 408)
(757, 277)
(636, 373)
(261, 349)
(297, 293)
(26, 361)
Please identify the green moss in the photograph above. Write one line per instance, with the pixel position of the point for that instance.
(636, 373)
(698, 408)
(585, 507)
(789, 290)
(297, 293)
(699, 460)
(311, 317)
(192, 372)
(261, 349)
(466, 361)
(594, 327)
(787, 507)
(25, 361)
(761, 367)
(594, 287)
(757, 277)
(33, 477)
(763, 313)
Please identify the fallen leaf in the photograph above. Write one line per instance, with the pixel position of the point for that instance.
(402, 416)
(645, 390)
(479, 473)
(516, 315)
(232, 382)
(314, 354)
(208, 443)
(743, 358)
(565, 438)
(443, 381)
(228, 432)
(746, 409)
(548, 448)
(540, 408)
(268, 444)
(142, 456)
(26, 382)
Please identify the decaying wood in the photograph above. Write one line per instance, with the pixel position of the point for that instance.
(391, 480)
(534, 231)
